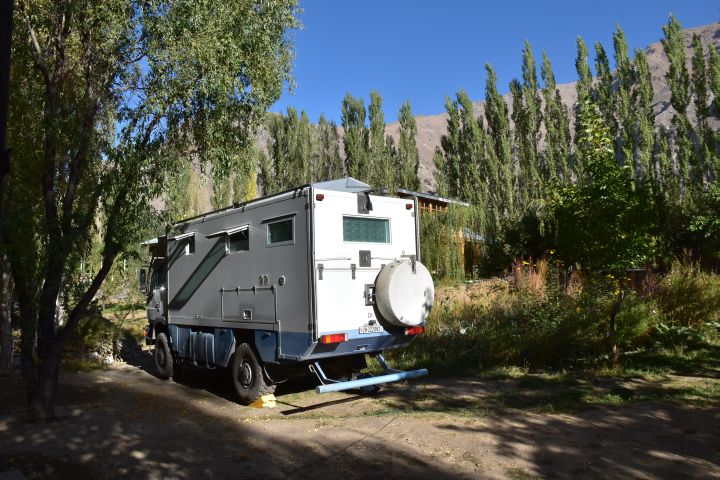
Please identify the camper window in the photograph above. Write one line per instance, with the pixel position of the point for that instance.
(238, 241)
(363, 229)
(189, 245)
(280, 233)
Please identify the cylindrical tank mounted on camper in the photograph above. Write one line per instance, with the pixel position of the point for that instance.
(318, 276)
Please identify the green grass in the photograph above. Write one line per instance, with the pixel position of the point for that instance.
(78, 365)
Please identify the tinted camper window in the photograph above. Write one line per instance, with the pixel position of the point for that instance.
(361, 229)
(189, 245)
(238, 241)
(280, 232)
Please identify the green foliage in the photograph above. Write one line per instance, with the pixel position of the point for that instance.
(380, 160)
(356, 139)
(291, 149)
(604, 222)
(705, 221)
(498, 125)
(543, 319)
(442, 235)
(330, 163)
(690, 297)
(408, 159)
(714, 77)
(106, 98)
(556, 157)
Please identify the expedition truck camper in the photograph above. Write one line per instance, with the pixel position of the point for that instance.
(315, 277)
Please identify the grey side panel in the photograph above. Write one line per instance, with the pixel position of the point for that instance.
(213, 288)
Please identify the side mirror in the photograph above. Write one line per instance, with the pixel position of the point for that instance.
(143, 281)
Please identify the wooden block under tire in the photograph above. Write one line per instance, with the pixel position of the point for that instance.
(266, 401)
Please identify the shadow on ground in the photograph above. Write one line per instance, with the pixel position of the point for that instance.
(656, 441)
(139, 427)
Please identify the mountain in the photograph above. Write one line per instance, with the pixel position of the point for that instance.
(432, 127)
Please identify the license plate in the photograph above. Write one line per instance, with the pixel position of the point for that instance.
(371, 329)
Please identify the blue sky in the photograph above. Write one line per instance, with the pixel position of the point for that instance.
(422, 51)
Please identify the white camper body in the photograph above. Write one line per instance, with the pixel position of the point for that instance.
(286, 280)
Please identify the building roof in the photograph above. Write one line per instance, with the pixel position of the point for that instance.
(431, 198)
(347, 184)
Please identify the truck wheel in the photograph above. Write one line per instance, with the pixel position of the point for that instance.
(247, 375)
(163, 357)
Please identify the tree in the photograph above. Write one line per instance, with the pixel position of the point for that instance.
(475, 171)
(450, 143)
(700, 74)
(380, 168)
(496, 113)
(604, 95)
(603, 223)
(626, 117)
(291, 149)
(645, 116)
(527, 118)
(583, 85)
(714, 74)
(356, 138)
(106, 97)
(678, 80)
(408, 157)
(440, 164)
(328, 150)
(557, 127)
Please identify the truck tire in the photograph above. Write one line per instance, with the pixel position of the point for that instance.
(247, 375)
(163, 357)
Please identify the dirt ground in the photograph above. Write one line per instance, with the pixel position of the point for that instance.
(125, 422)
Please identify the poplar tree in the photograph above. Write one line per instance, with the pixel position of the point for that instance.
(330, 163)
(714, 74)
(441, 185)
(626, 117)
(583, 85)
(291, 150)
(603, 91)
(557, 127)
(645, 116)
(714, 83)
(472, 182)
(700, 75)
(302, 152)
(496, 113)
(356, 138)
(531, 121)
(407, 154)
(525, 187)
(678, 80)
(450, 143)
(379, 168)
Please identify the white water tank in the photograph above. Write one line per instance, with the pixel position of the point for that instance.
(403, 297)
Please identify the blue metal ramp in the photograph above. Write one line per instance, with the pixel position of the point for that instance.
(391, 375)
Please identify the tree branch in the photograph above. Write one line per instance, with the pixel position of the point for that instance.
(75, 314)
(39, 62)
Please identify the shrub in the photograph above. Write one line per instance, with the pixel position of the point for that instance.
(689, 297)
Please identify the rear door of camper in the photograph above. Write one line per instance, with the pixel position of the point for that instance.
(351, 247)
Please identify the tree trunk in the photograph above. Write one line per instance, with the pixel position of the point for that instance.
(614, 352)
(6, 343)
(42, 387)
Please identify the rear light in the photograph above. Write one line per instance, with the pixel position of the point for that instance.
(319, 197)
(414, 330)
(408, 206)
(333, 338)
